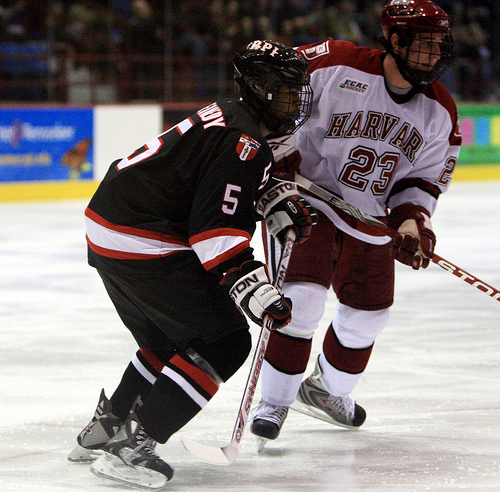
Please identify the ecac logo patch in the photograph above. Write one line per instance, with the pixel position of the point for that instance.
(354, 85)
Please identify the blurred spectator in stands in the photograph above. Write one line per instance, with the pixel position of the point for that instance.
(207, 33)
(78, 32)
(21, 19)
(474, 74)
(343, 22)
(197, 41)
(370, 23)
(12, 26)
(59, 51)
(234, 29)
(144, 40)
(56, 21)
(300, 22)
(145, 33)
(87, 31)
(241, 21)
(23, 52)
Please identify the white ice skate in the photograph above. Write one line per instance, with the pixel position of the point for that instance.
(312, 399)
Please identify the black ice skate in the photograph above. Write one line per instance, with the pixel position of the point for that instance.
(267, 421)
(312, 399)
(103, 426)
(130, 458)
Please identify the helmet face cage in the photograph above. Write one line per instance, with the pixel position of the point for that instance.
(425, 45)
(287, 106)
(273, 80)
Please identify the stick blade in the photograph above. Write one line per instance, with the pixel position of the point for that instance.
(211, 454)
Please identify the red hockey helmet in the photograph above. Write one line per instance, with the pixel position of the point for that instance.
(414, 21)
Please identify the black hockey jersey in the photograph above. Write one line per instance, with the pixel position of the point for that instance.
(191, 189)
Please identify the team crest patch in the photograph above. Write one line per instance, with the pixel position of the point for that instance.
(354, 86)
(247, 148)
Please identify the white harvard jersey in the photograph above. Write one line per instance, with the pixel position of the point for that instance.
(373, 149)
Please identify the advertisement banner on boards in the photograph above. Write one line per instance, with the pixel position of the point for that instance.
(46, 144)
(480, 124)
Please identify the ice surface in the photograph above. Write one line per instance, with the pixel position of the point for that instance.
(431, 390)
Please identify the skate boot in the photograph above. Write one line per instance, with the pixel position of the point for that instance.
(103, 426)
(267, 420)
(130, 458)
(312, 399)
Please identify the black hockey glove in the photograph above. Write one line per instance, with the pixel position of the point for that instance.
(250, 289)
(282, 207)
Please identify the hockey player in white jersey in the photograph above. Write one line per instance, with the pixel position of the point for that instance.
(384, 136)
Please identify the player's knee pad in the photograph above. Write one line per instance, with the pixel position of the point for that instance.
(226, 355)
(308, 307)
(358, 329)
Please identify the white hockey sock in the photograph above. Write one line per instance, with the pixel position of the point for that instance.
(280, 388)
(336, 382)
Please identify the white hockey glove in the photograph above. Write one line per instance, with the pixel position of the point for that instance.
(252, 292)
(282, 207)
(415, 243)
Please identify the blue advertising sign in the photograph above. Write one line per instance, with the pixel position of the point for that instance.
(46, 144)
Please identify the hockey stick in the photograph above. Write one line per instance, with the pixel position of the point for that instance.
(377, 226)
(227, 454)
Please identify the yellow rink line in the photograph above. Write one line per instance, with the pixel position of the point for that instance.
(67, 190)
(486, 172)
(48, 190)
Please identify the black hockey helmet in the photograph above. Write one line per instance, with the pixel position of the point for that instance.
(273, 80)
(415, 22)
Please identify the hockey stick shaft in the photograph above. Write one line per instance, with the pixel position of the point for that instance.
(379, 226)
(227, 454)
(261, 346)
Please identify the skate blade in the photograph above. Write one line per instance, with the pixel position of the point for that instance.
(261, 442)
(111, 467)
(80, 454)
(317, 414)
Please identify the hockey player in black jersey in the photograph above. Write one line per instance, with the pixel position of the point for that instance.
(169, 231)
